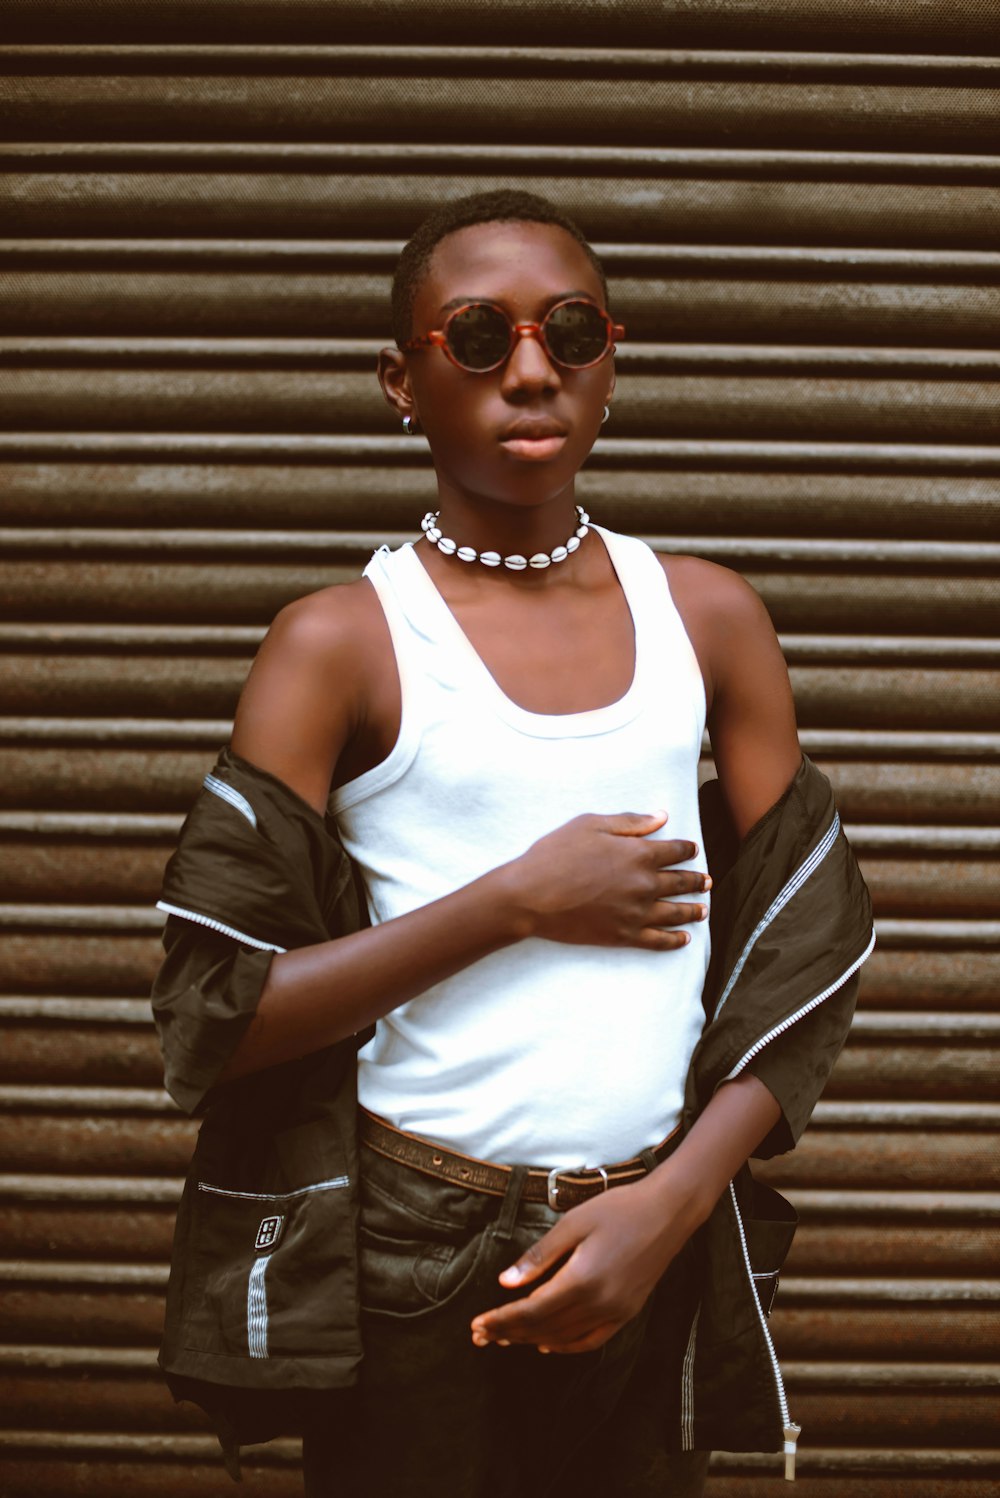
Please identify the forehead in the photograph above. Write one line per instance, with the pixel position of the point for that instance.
(519, 263)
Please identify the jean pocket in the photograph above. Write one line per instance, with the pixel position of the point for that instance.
(411, 1277)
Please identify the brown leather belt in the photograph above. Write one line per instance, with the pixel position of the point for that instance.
(559, 1188)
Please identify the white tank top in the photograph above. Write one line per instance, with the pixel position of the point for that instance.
(542, 1053)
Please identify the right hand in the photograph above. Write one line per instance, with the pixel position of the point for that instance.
(601, 881)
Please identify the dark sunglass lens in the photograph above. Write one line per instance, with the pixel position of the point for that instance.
(479, 336)
(576, 333)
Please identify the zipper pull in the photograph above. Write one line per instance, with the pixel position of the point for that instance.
(792, 1433)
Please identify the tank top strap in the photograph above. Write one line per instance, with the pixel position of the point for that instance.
(659, 628)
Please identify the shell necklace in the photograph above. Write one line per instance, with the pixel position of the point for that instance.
(516, 563)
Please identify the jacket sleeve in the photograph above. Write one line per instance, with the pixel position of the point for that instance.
(256, 872)
(795, 1067)
(204, 997)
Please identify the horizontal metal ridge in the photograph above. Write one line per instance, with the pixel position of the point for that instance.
(106, 1190)
(880, 1206)
(83, 1272)
(43, 1098)
(214, 732)
(90, 1446)
(950, 650)
(937, 933)
(59, 1010)
(359, 353)
(282, 448)
(396, 157)
(898, 1024)
(161, 826)
(79, 540)
(797, 1290)
(889, 1375)
(860, 1375)
(945, 265)
(596, 61)
(199, 732)
(130, 918)
(908, 1116)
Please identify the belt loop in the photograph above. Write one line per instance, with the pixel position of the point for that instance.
(511, 1201)
(649, 1160)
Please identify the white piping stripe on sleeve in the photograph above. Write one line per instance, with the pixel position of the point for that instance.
(213, 925)
(233, 797)
(257, 1309)
(802, 873)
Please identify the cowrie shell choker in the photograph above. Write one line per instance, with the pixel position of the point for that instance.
(516, 563)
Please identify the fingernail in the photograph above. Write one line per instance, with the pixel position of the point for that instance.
(545, 1349)
(502, 1344)
(512, 1276)
(708, 882)
(687, 937)
(479, 1340)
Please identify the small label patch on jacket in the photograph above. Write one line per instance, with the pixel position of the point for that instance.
(268, 1233)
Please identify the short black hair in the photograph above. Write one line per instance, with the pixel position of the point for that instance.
(506, 205)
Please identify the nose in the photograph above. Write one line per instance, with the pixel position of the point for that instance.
(529, 367)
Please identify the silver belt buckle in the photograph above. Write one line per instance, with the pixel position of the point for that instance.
(552, 1184)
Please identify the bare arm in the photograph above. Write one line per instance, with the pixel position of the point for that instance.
(315, 695)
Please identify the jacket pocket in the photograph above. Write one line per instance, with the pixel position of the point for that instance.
(273, 1273)
(770, 1227)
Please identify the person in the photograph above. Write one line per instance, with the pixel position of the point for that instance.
(471, 1207)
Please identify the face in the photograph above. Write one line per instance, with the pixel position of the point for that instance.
(517, 434)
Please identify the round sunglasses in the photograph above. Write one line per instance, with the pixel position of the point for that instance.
(479, 336)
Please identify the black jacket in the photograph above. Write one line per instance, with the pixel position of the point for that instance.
(262, 1303)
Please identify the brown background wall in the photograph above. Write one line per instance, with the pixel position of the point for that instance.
(201, 204)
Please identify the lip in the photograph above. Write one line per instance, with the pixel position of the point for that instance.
(537, 439)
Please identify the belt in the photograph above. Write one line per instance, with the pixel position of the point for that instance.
(561, 1188)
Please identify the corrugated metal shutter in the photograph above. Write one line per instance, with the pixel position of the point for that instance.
(799, 207)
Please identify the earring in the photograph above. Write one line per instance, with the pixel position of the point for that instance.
(409, 426)
(607, 413)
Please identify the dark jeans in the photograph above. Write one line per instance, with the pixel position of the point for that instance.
(436, 1417)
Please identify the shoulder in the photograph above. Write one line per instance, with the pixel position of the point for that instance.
(306, 690)
(707, 591)
(725, 617)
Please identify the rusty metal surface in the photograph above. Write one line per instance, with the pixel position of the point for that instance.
(940, 26)
(802, 244)
(101, 196)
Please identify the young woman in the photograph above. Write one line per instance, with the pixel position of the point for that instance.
(505, 719)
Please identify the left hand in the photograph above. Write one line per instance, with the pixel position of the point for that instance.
(619, 1244)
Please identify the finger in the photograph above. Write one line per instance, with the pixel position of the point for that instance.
(589, 1342)
(656, 939)
(520, 1319)
(666, 851)
(542, 1255)
(634, 823)
(673, 882)
(678, 912)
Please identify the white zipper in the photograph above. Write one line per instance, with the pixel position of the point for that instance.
(213, 925)
(792, 1019)
(791, 1430)
(277, 1196)
(802, 873)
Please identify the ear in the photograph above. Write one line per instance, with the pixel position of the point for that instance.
(394, 378)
